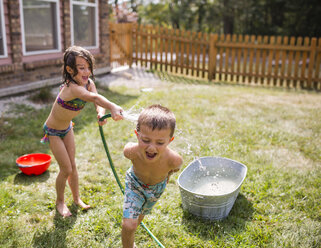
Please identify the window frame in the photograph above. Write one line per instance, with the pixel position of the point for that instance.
(3, 30)
(58, 49)
(87, 4)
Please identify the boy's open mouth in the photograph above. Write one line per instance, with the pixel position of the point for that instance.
(150, 155)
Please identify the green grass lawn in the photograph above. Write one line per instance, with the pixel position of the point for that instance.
(275, 132)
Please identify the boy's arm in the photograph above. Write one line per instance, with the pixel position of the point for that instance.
(130, 150)
(176, 163)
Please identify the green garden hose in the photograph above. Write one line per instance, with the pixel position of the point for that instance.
(117, 178)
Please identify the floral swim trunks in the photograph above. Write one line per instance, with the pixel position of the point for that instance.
(139, 197)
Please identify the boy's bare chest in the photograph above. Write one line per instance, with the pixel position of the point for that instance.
(151, 173)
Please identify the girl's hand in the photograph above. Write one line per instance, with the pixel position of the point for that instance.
(116, 113)
(101, 123)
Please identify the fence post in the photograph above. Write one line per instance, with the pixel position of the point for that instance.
(130, 34)
(311, 62)
(212, 56)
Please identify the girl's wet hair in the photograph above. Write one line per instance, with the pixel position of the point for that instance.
(157, 117)
(70, 60)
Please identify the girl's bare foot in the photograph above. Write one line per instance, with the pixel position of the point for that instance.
(81, 204)
(63, 210)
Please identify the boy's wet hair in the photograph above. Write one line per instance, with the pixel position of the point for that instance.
(70, 60)
(157, 117)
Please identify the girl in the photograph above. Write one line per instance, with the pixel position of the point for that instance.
(76, 90)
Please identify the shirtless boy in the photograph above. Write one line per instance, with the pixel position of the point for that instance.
(153, 163)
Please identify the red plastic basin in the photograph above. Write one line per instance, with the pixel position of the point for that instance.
(34, 164)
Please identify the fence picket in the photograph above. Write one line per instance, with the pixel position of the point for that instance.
(146, 46)
(277, 60)
(221, 56)
(257, 59)
(227, 58)
(250, 70)
(239, 58)
(270, 59)
(161, 45)
(234, 38)
(187, 51)
(297, 61)
(198, 52)
(304, 63)
(212, 57)
(193, 39)
(205, 52)
(245, 60)
(263, 63)
(176, 50)
(290, 64)
(283, 55)
(317, 78)
(172, 33)
(181, 52)
(145, 35)
(165, 33)
(141, 42)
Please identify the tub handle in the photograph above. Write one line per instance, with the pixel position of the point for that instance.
(199, 196)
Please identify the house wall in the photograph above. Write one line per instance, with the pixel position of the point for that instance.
(18, 69)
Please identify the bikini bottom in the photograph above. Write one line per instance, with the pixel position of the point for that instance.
(54, 132)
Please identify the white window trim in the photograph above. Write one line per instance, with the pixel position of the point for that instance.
(4, 33)
(75, 2)
(24, 52)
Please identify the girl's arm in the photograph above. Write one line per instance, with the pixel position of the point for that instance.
(97, 99)
(100, 110)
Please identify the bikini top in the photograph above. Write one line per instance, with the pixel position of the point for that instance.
(74, 104)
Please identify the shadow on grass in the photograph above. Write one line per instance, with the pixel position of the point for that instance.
(21, 134)
(241, 213)
(23, 179)
(56, 236)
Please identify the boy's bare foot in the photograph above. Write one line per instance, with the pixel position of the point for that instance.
(63, 210)
(81, 204)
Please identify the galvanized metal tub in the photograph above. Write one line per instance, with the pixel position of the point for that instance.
(209, 186)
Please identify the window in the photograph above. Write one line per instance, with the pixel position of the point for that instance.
(84, 21)
(3, 43)
(40, 26)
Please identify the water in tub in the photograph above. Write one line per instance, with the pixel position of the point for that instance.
(214, 186)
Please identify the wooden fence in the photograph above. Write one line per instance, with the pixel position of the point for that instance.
(292, 62)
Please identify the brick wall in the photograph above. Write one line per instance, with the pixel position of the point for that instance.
(18, 69)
